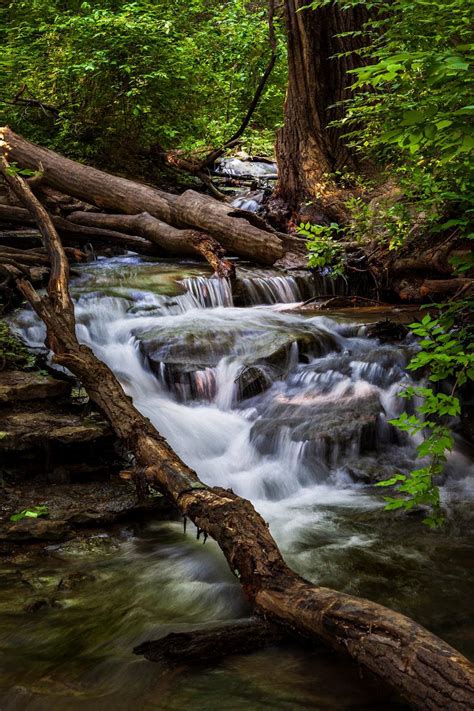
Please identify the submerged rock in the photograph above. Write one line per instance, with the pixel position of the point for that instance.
(35, 529)
(328, 433)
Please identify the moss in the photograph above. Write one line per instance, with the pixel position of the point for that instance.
(13, 353)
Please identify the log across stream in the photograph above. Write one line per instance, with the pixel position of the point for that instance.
(224, 384)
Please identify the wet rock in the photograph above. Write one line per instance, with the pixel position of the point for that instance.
(35, 529)
(25, 429)
(17, 385)
(252, 381)
(184, 360)
(40, 604)
(387, 331)
(328, 432)
(75, 506)
(75, 580)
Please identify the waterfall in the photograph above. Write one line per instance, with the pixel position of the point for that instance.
(274, 405)
(209, 293)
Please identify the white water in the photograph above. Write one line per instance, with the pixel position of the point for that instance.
(303, 450)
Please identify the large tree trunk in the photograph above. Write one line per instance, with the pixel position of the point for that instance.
(308, 148)
(236, 230)
(430, 673)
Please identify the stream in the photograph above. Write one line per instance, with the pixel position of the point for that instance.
(289, 409)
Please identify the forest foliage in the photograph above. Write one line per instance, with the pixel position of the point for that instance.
(127, 76)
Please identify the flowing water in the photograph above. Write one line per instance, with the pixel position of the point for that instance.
(288, 410)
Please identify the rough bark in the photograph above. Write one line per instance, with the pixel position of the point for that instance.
(204, 645)
(308, 148)
(430, 673)
(233, 229)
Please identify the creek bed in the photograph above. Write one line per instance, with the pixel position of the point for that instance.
(306, 443)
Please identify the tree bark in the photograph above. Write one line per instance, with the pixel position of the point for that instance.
(233, 229)
(308, 148)
(157, 239)
(430, 673)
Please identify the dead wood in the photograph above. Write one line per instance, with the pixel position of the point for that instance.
(232, 229)
(423, 668)
(174, 242)
(205, 645)
(423, 290)
(82, 234)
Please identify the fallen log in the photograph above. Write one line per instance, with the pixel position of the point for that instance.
(157, 238)
(39, 256)
(82, 234)
(176, 243)
(233, 229)
(205, 645)
(423, 668)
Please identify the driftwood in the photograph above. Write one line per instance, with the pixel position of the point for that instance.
(235, 230)
(77, 233)
(423, 668)
(205, 645)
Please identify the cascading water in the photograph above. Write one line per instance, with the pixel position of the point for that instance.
(289, 411)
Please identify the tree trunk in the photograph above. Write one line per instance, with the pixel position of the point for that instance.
(234, 229)
(80, 234)
(430, 673)
(308, 149)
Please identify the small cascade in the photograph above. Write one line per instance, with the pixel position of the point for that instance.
(272, 290)
(250, 201)
(274, 405)
(238, 168)
(209, 293)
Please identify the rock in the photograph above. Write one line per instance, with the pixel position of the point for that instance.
(330, 431)
(75, 580)
(17, 385)
(23, 430)
(387, 331)
(35, 529)
(39, 604)
(182, 359)
(252, 381)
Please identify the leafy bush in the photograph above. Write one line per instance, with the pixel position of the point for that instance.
(33, 512)
(447, 352)
(324, 251)
(412, 102)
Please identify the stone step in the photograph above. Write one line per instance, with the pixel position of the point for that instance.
(24, 430)
(16, 385)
